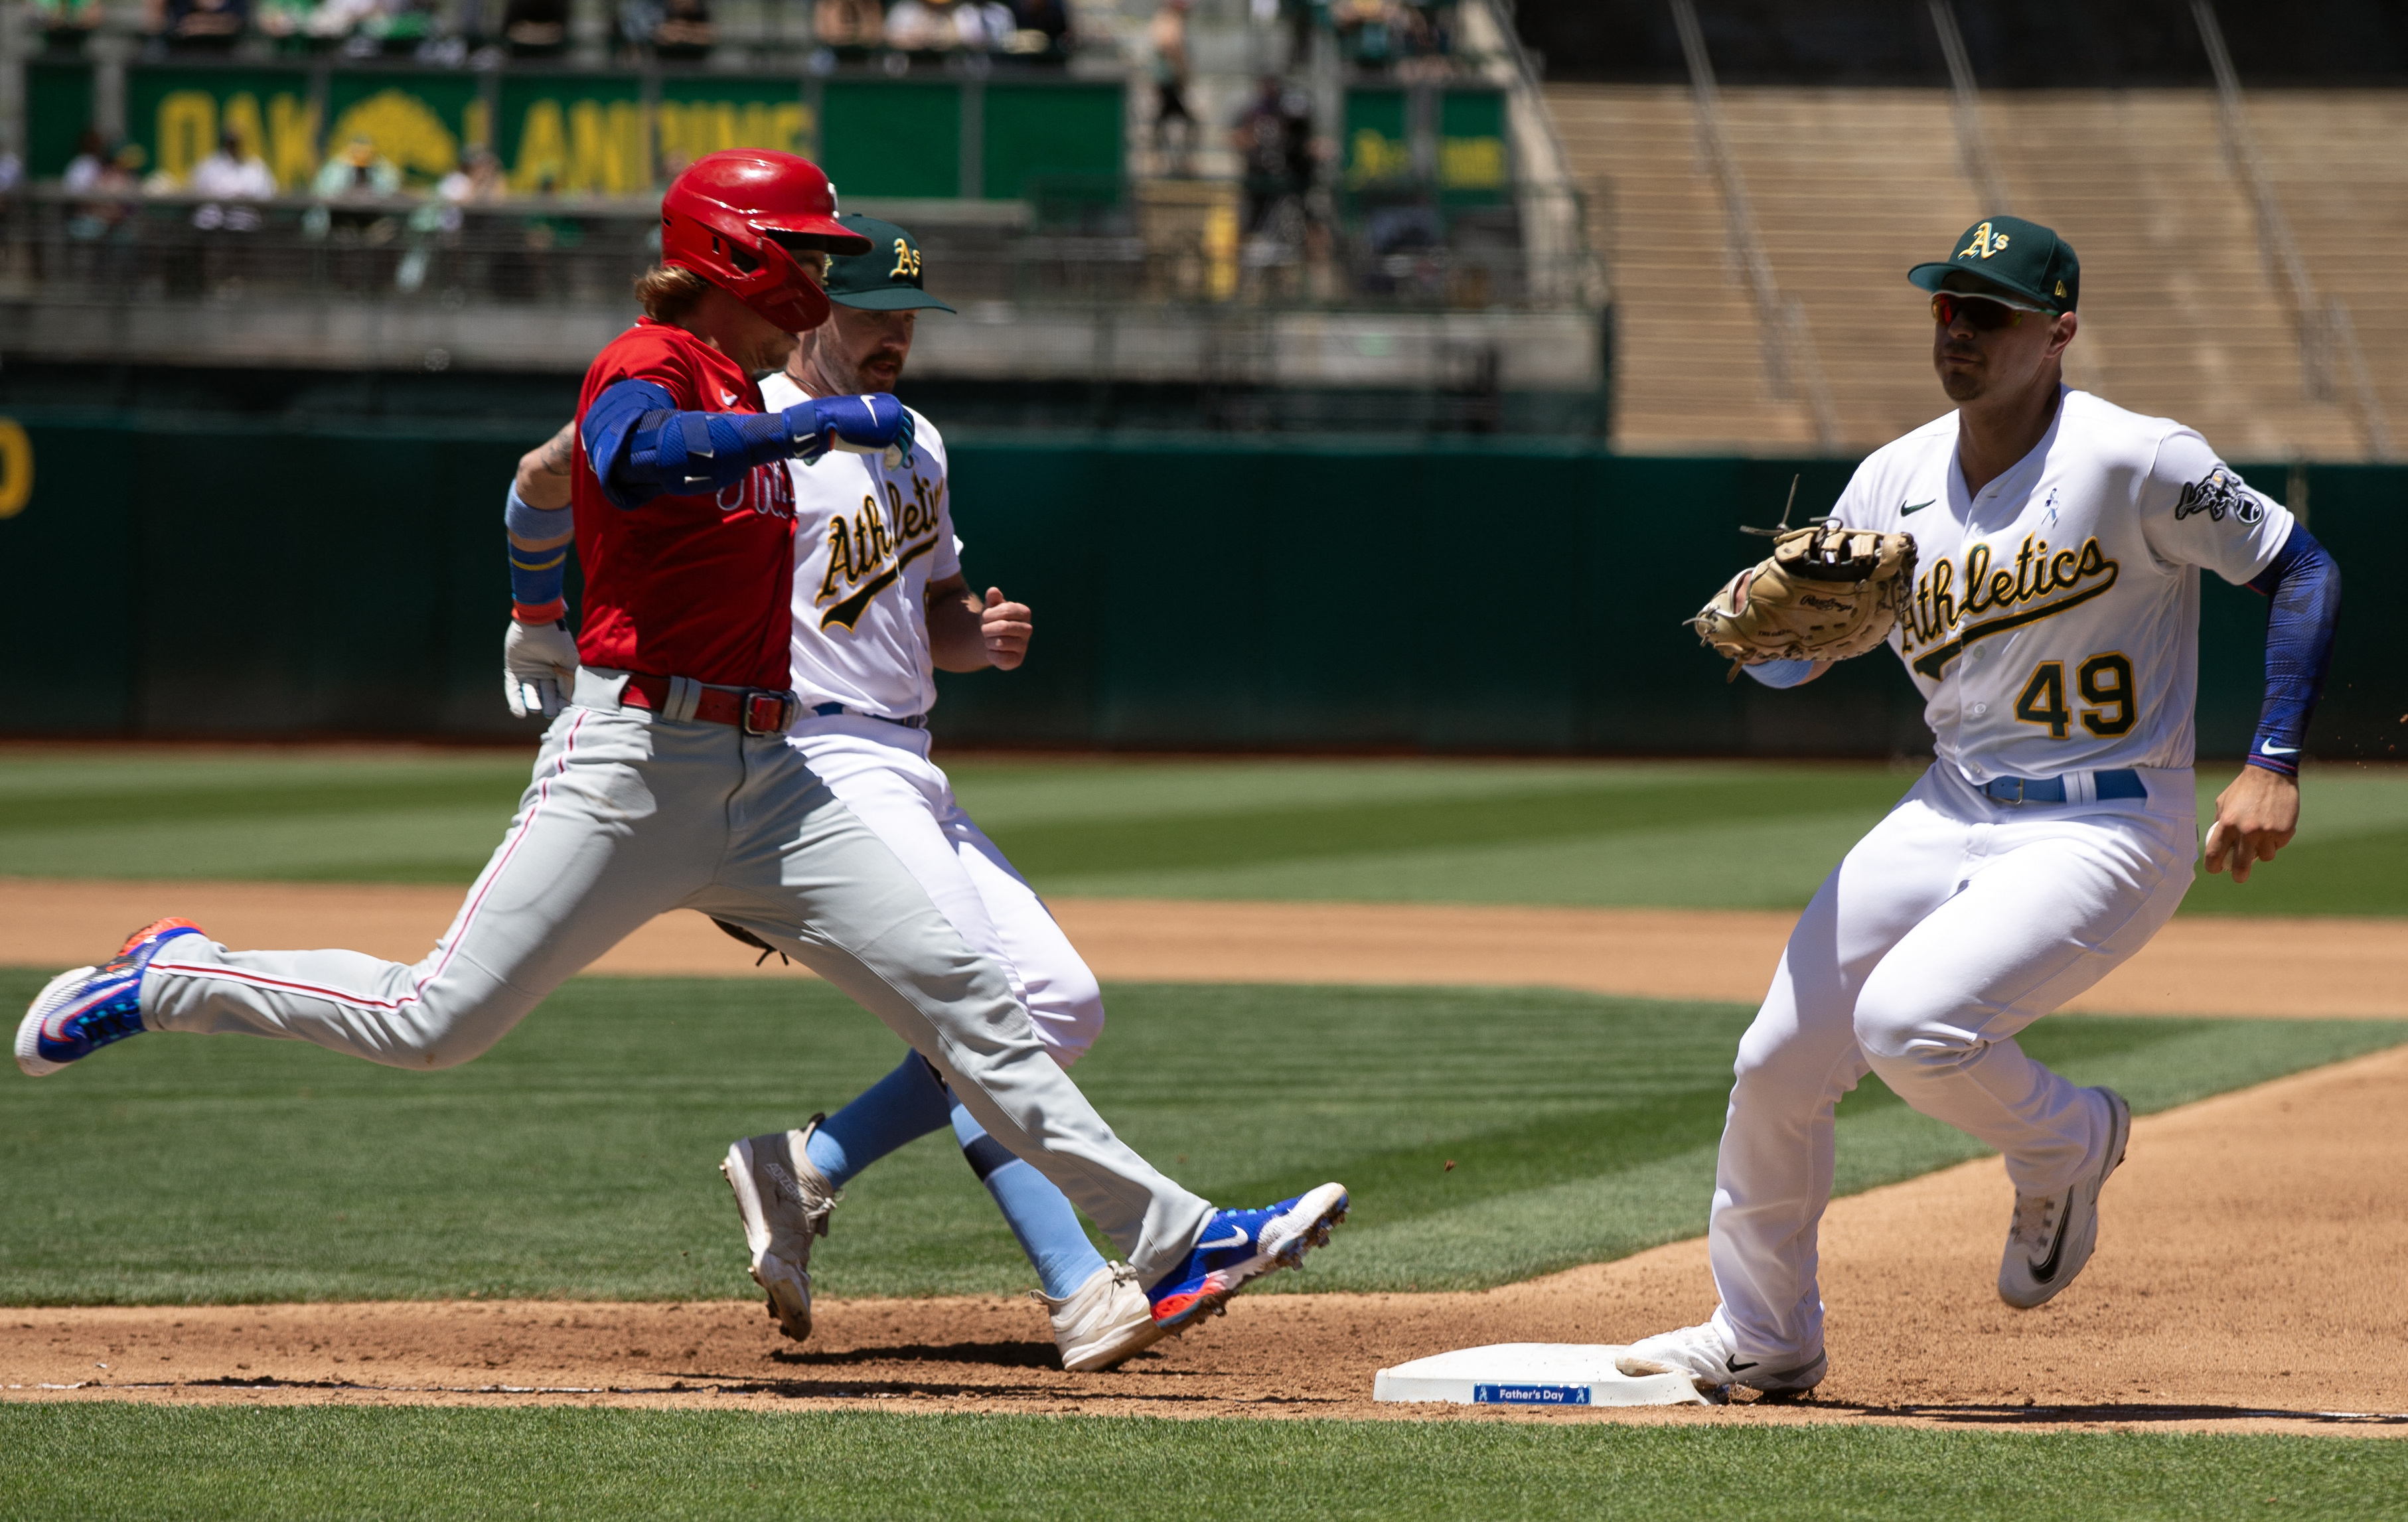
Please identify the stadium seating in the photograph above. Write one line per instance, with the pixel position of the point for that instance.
(2181, 313)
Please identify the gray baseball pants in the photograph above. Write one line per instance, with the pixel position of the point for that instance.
(630, 815)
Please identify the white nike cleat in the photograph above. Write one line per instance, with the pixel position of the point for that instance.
(1103, 1321)
(1700, 1353)
(2052, 1236)
(783, 1202)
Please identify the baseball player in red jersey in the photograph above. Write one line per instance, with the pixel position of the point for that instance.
(665, 781)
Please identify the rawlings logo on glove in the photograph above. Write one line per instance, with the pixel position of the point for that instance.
(1824, 594)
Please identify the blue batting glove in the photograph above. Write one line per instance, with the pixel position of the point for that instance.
(872, 424)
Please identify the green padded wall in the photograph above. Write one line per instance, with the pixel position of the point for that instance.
(174, 576)
(891, 140)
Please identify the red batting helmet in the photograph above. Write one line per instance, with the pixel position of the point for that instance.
(731, 216)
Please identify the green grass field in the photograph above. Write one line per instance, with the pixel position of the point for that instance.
(1422, 832)
(117, 1461)
(579, 1158)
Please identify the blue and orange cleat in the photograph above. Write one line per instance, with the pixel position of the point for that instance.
(79, 1012)
(1240, 1245)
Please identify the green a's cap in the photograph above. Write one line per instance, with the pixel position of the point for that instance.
(2017, 256)
(884, 280)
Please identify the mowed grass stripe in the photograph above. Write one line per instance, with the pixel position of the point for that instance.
(1282, 835)
(1599, 833)
(579, 1158)
(111, 1460)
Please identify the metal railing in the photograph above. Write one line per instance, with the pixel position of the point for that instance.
(1973, 140)
(2327, 333)
(127, 247)
(1791, 363)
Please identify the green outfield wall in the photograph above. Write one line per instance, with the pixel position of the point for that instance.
(201, 577)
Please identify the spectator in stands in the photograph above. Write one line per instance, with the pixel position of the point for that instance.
(90, 157)
(535, 28)
(290, 23)
(1167, 34)
(982, 27)
(1040, 29)
(114, 174)
(686, 31)
(1365, 32)
(477, 181)
(196, 25)
(666, 28)
(1425, 37)
(359, 169)
(230, 176)
(920, 27)
(854, 25)
(1274, 137)
(65, 23)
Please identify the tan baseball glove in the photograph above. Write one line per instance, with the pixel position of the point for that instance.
(1824, 594)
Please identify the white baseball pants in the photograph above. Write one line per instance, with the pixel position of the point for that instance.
(883, 773)
(630, 815)
(1954, 923)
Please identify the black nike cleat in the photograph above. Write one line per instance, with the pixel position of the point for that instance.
(2052, 1236)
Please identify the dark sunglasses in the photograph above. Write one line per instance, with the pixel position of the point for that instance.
(1983, 314)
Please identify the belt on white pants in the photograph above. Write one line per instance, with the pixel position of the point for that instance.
(2074, 788)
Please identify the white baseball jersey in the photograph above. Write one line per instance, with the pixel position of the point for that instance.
(2055, 622)
(867, 541)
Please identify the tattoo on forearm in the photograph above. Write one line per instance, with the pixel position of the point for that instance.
(561, 449)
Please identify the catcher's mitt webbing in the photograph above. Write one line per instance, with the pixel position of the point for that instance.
(1826, 592)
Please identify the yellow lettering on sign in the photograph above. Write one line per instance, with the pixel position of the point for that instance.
(240, 116)
(16, 468)
(1472, 163)
(608, 149)
(1377, 156)
(543, 148)
(292, 141)
(477, 126)
(690, 129)
(404, 128)
(188, 130)
(1220, 251)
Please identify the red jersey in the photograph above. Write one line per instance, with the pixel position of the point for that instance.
(686, 586)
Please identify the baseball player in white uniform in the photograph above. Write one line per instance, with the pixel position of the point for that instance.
(2053, 630)
(879, 603)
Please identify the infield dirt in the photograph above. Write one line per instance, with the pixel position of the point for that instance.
(2220, 966)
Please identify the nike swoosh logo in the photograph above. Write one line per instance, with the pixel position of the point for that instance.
(1737, 1367)
(1905, 510)
(1237, 1239)
(2270, 748)
(2045, 1270)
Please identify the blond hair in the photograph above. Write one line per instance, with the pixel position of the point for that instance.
(668, 291)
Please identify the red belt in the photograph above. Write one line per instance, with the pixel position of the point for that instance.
(755, 711)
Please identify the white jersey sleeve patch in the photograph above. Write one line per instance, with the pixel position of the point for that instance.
(2197, 511)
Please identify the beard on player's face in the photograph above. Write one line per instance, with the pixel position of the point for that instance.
(861, 350)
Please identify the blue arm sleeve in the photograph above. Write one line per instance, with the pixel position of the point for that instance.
(642, 446)
(1780, 673)
(2305, 586)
